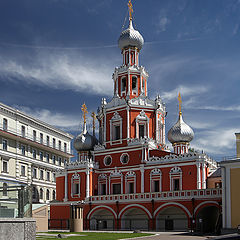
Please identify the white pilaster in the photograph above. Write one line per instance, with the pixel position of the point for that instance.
(128, 123)
(142, 177)
(198, 175)
(203, 175)
(87, 183)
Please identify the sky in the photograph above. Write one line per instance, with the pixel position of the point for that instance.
(57, 54)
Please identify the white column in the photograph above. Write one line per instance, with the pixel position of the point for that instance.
(104, 127)
(156, 127)
(66, 188)
(142, 177)
(128, 92)
(87, 183)
(128, 123)
(203, 175)
(198, 175)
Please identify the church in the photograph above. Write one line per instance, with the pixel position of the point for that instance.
(128, 179)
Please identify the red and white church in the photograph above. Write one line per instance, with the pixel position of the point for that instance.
(128, 179)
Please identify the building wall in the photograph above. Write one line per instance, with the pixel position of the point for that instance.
(235, 197)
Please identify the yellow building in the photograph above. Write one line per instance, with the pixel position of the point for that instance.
(231, 189)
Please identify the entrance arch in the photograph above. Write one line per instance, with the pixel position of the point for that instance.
(134, 219)
(171, 218)
(207, 219)
(102, 219)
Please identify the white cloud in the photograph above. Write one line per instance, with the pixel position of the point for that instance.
(61, 71)
(162, 24)
(218, 108)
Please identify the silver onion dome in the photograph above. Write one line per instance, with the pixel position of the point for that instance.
(84, 141)
(180, 132)
(130, 37)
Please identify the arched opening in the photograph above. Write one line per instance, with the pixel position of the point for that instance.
(102, 219)
(171, 219)
(207, 219)
(135, 219)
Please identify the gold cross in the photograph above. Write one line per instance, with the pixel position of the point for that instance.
(93, 115)
(130, 9)
(85, 112)
(180, 102)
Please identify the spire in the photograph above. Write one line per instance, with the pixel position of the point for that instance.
(85, 112)
(130, 10)
(180, 104)
(93, 115)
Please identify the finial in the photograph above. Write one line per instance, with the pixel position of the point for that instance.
(85, 112)
(180, 103)
(130, 9)
(93, 115)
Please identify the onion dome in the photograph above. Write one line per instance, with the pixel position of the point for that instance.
(84, 141)
(180, 132)
(130, 38)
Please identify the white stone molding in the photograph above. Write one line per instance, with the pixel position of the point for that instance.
(122, 156)
(102, 179)
(130, 177)
(116, 120)
(87, 183)
(102, 206)
(198, 164)
(105, 159)
(155, 174)
(203, 175)
(75, 179)
(136, 206)
(116, 174)
(175, 173)
(128, 123)
(142, 177)
(142, 118)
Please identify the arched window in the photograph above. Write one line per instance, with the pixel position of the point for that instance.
(47, 195)
(134, 85)
(35, 193)
(142, 125)
(175, 179)
(5, 186)
(132, 58)
(156, 180)
(124, 85)
(116, 127)
(41, 193)
(75, 185)
(53, 195)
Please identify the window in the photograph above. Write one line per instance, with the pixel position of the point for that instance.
(34, 152)
(5, 124)
(34, 173)
(41, 138)
(65, 161)
(34, 135)
(107, 160)
(5, 166)
(116, 134)
(131, 187)
(132, 58)
(47, 194)
(142, 125)
(143, 85)
(175, 179)
(47, 157)
(59, 161)
(116, 127)
(54, 177)
(23, 171)
(155, 180)
(59, 145)
(116, 188)
(41, 156)
(176, 184)
(124, 158)
(53, 195)
(65, 147)
(141, 131)
(48, 140)
(75, 185)
(54, 143)
(4, 144)
(124, 84)
(48, 176)
(41, 174)
(23, 149)
(5, 187)
(54, 159)
(103, 189)
(156, 187)
(41, 193)
(134, 85)
(23, 131)
(34, 193)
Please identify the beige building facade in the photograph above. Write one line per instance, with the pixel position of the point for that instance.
(31, 152)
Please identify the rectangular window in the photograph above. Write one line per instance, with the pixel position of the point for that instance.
(59, 145)
(23, 131)
(141, 131)
(65, 147)
(47, 157)
(48, 140)
(23, 171)
(143, 85)
(116, 188)
(134, 83)
(75, 188)
(103, 189)
(41, 138)
(34, 173)
(54, 177)
(48, 176)
(5, 166)
(131, 187)
(41, 156)
(176, 185)
(34, 136)
(34, 152)
(156, 186)
(124, 84)
(5, 124)
(54, 159)
(4, 144)
(54, 143)
(23, 150)
(116, 134)
(59, 161)
(41, 174)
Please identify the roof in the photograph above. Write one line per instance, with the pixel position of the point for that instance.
(217, 173)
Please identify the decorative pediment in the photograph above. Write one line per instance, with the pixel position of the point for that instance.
(116, 117)
(75, 176)
(130, 174)
(116, 173)
(116, 101)
(156, 171)
(142, 116)
(142, 101)
(176, 170)
(102, 176)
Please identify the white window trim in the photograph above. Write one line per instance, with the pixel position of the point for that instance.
(104, 160)
(121, 158)
(115, 174)
(124, 92)
(4, 139)
(116, 120)
(74, 178)
(130, 177)
(175, 173)
(142, 118)
(102, 179)
(155, 174)
(7, 161)
(135, 92)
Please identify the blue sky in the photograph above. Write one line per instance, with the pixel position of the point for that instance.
(57, 54)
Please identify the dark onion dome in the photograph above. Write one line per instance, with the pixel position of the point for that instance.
(180, 132)
(130, 38)
(84, 141)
